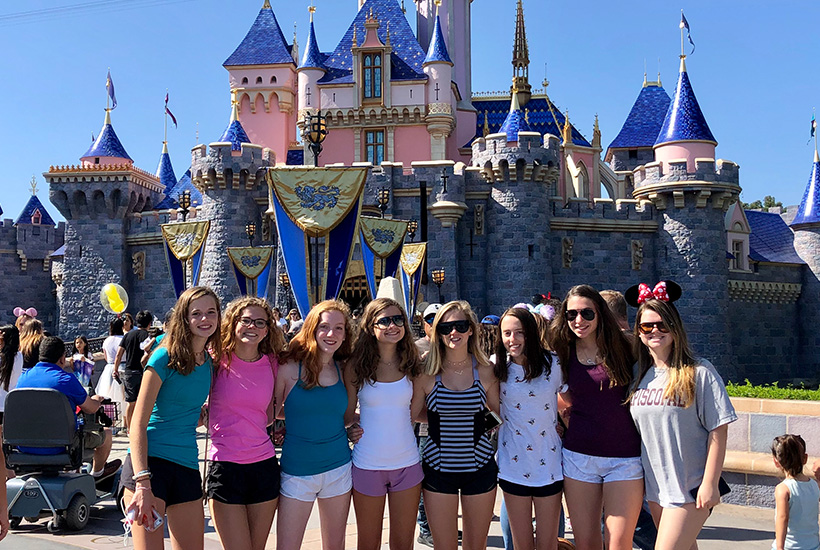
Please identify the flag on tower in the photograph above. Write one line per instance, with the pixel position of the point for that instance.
(109, 85)
(684, 24)
(813, 125)
(168, 111)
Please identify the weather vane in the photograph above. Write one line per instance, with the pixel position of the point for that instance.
(33, 185)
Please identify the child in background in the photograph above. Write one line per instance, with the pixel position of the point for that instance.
(797, 498)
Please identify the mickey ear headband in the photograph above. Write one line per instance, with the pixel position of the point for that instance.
(665, 291)
(19, 312)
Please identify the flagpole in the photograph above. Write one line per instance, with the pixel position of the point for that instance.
(682, 52)
(107, 93)
(165, 139)
(814, 115)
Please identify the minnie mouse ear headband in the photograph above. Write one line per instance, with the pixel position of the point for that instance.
(19, 312)
(665, 291)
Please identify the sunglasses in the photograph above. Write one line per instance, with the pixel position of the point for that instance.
(248, 322)
(446, 328)
(385, 322)
(647, 328)
(586, 313)
(430, 318)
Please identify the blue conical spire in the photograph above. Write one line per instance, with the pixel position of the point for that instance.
(684, 120)
(809, 211)
(515, 122)
(235, 133)
(264, 44)
(32, 206)
(312, 58)
(107, 143)
(437, 52)
(165, 172)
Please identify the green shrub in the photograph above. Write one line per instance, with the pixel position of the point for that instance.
(772, 391)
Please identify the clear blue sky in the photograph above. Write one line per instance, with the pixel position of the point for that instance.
(755, 73)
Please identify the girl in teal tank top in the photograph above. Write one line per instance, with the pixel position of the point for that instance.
(311, 398)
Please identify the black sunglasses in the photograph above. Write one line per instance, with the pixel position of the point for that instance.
(461, 326)
(430, 318)
(384, 322)
(586, 313)
(647, 328)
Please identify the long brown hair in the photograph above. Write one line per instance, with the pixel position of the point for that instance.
(304, 348)
(680, 384)
(538, 359)
(435, 359)
(178, 338)
(365, 358)
(11, 346)
(613, 346)
(273, 343)
(30, 335)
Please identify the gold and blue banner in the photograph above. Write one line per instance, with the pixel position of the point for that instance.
(312, 203)
(183, 242)
(412, 267)
(380, 238)
(252, 267)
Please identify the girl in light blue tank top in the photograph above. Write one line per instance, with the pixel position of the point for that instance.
(311, 397)
(797, 498)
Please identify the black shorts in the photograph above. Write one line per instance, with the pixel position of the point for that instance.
(479, 482)
(232, 483)
(525, 491)
(131, 382)
(171, 482)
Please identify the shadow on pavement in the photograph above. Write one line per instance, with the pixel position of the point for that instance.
(735, 534)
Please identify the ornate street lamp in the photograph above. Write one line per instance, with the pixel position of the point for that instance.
(438, 279)
(284, 282)
(184, 200)
(383, 198)
(315, 132)
(250, 231)
(412, 227)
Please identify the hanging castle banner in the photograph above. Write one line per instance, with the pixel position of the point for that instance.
(252, 267)
(309, 203)
(382, 239)
(183, 242)
(412, 260)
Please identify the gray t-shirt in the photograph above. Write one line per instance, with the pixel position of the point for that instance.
(673, 438)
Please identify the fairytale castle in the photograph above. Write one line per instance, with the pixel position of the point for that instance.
(508, 193)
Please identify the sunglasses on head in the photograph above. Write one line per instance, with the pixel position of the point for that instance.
(461, 326)
(586, 313)
(647, 328)
(384, 322)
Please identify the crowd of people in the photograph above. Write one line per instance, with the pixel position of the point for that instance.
(550, 401)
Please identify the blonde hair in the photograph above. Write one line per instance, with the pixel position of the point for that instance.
(435, 359)
(680, 385)
(304, 348)
(273, 343)
(31, 333)
(178, 340)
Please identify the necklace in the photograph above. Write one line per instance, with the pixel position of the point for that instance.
(454, 364)
(588, 360)
(389, 363)
(254, 360)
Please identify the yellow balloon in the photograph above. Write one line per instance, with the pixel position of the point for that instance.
(114, 298)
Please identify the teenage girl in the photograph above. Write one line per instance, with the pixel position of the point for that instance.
(161, 473)
(678, 398)
(107, 385)
(797, 498)
(386, 460)
(458, 459)
(311, 397)
(11, 364)
(243, 476)
(529, 448)
(30, 335)
(602, 449)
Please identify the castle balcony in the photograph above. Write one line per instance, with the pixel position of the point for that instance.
(718, 180)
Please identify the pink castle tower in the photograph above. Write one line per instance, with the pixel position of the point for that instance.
(107, 148)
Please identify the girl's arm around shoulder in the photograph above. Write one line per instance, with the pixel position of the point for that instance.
(422, 386)
(781, 515)
(351, 417)
(486, 374)
(286, 378)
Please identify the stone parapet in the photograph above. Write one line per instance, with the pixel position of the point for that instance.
(217, 166)
(526, 159)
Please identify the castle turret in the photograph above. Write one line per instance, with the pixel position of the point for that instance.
(310, 70)
(263, 80)
(165, 171)
(439, 69)
(692, 192)
(521, 59)
(230, 174)
(684, 133)
(806, 227)
(107, 148)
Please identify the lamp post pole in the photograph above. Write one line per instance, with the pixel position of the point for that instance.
(315, 132)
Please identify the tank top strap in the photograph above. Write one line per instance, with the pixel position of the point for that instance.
(476, 378)
(438, 378)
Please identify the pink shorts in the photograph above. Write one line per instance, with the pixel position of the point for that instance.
(377, 483)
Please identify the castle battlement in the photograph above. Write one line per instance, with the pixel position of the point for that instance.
(212, 166)
(707, 170)
(502, 160)
(601, 209)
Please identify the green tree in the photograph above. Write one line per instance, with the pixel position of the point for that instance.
(768, 202)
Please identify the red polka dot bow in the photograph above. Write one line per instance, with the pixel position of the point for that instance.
(658, 293)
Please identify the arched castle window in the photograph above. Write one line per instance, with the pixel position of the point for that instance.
(372, 76)
(245, 80)
(583, 180)
(259, 80)
(273, 80)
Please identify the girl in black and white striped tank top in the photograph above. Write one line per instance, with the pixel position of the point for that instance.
(457, 441)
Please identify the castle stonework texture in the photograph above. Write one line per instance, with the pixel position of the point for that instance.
(511, 197)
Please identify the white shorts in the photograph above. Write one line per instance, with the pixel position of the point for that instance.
(601, 469)
(332, 483)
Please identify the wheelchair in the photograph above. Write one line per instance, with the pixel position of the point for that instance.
(49, 484)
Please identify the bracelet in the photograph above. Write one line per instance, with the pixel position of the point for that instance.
(145, 474)
(142, 488)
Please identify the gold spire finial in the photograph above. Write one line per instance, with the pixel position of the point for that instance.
(521, 57)
(33, 185)
(234, 107)
(438, 5)
(387, 38)
(566, 133)
(312, 10)
(527, 116)
(355, 40)
(266, 5)
(596, 133)
(486, 130)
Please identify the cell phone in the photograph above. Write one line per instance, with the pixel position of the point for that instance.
(723, 489)
(158, 521)
(491, 421)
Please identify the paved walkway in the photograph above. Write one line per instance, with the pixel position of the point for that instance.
(729, 528)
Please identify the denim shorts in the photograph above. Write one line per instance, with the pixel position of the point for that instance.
(332, 483)
(601, 469)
